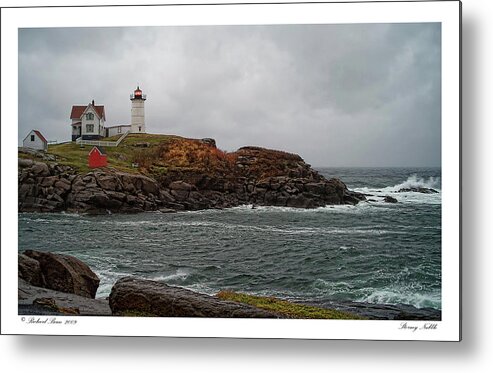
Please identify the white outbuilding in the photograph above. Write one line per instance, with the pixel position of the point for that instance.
(35, 140)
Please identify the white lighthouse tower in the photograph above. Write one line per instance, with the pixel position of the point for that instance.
(138, 119)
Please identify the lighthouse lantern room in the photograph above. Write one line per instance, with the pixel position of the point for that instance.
(138, 118)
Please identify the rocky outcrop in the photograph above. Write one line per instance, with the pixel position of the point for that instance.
(375, 311)
(258, 176)
(131, 296)
(43, 187)
(301, 192)
(30, 270)
(418, 190)
(58, 272)
(52, 187)
(390, 199)
(34, 300)
(40, 154)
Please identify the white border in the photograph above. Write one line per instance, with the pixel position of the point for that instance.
(445, 12)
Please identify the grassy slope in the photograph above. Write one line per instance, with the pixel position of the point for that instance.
(290, 310)
(120, 157)
(168, 158)
(164, 153)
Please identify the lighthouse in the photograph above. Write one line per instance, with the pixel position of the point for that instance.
(137, 122)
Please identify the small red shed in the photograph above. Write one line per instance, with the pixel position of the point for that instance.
(97, 157)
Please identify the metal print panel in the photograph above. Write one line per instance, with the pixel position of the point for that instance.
(251, 171)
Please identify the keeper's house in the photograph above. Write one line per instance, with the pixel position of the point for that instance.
(88, 122)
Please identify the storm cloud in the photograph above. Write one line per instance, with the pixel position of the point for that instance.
(338, 95)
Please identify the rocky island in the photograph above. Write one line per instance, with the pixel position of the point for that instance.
(170, 173)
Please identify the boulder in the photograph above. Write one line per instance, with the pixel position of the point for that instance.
(48, 181)
(148, 185)
(300, 201)
(418, 190)
(353, 198)
(390, 199)
(108, 182)
(180, 185)
(65, 273)
(315, 188)
(40, 169)
(33, 300)
(25, 162)
(209, 141)
(30, 270)
(51, 307)
(132, 296)
(63, 184)
(25, 190)
(167, 211)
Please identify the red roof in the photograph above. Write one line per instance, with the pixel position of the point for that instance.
(40, 136)
(78, 110)
(99, 149)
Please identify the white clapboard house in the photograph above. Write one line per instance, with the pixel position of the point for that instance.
(35, 140)
(88, 121)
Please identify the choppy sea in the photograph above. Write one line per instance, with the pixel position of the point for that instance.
(374, 252)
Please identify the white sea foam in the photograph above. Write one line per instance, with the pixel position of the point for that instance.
(180, 274)
(299, 230)
(412, 181)
(395, 296)
(356, 209)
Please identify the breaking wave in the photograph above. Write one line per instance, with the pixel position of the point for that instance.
(414, 181)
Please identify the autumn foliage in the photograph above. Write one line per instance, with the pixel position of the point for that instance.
(181, 153)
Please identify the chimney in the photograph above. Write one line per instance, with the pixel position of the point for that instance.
(92, 102)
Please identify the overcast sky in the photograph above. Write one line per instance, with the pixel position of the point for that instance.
(338, 95)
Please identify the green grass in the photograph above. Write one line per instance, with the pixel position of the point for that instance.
(167, 155)
(288, 309)
(120, 157)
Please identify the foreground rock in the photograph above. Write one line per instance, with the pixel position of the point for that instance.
(136, 297)
(35, 300)
(375, 311)
(58, 272)
(131, 296)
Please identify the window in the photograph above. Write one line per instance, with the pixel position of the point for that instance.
(89, 116)
(89, 127)
(32, 137)
(140, 128)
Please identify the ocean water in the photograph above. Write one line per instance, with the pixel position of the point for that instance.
(374, 252)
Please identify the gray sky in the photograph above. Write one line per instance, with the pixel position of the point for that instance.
(338, 95)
